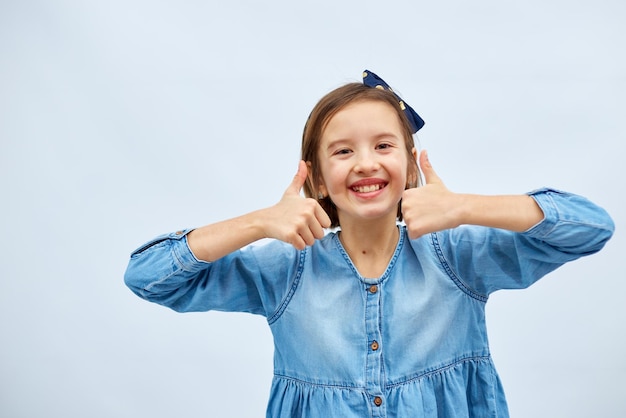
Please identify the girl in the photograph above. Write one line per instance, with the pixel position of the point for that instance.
(379, 318)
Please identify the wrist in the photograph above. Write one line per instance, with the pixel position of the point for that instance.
(257, 223)
(464, 208)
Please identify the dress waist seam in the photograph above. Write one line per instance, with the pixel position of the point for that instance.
(389, 385)
(324, 385)
(438, 370)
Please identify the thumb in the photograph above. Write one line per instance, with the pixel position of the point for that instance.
(298, 179)
(430, 177)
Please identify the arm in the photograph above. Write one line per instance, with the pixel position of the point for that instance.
(527, 236)
(209, 268)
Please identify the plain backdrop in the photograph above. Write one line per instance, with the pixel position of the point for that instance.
(122, 120)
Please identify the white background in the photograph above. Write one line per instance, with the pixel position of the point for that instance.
(121, 120)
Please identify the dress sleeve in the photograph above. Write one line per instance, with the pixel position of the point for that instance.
(254, 279)
(483, 260)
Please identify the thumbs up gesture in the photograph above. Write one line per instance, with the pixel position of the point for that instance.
(431, 207)
(295, 219)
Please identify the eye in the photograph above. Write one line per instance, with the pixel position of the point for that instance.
(342, 151)
(384, 145)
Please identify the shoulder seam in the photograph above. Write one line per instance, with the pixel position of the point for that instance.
(457, 281)
(296, 281)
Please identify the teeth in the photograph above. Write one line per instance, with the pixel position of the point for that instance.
(367, 189)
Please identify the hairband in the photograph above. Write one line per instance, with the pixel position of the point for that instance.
(372, 80)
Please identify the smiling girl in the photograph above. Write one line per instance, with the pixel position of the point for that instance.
(385, 315)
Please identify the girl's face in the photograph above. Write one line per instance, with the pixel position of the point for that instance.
(364, 162)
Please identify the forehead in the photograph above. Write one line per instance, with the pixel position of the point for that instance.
(361, 119)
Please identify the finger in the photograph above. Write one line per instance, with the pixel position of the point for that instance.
(430, 177)
(414, 234)
(322, 217)
(317, 229)
(298, 243)
(404, 201)
(307, 236)
(298, 179)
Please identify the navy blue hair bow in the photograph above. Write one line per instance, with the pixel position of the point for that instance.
(372, 80)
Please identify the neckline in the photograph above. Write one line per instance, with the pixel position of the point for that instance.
(390, 265)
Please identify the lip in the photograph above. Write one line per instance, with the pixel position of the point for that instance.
(368, 182)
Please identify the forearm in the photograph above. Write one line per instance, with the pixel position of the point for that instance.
(214, 241)
(511, 212)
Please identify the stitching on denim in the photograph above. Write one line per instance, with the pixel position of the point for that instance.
(148, 245)
(464, 288)
(346, 257)
(181, 267)
(551, 212)
(281, 308)
(439, 370)
(420, 376)
(323, 385)
(396, 254)
(146, 291)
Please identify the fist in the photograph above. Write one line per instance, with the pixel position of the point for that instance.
(297, 220)
(429, 208)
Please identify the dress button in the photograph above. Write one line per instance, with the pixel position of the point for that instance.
(179, 232)
(374, 346)
(373, 288)
(378, 401)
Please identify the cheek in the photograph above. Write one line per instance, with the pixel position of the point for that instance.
(404, 169)
(325, 175)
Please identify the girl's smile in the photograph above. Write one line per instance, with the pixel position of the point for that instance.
(367, 188)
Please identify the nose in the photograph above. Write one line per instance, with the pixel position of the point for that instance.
(366, 163)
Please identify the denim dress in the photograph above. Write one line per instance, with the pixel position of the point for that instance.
(410, 343)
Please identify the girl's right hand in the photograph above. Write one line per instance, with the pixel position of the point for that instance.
(295, 219)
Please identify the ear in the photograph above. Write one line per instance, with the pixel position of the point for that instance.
(322, 190)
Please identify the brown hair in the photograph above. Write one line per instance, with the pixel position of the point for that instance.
(323, 111)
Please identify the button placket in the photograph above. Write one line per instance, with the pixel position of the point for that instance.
(374, 369)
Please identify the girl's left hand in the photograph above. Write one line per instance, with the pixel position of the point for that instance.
(431, 207)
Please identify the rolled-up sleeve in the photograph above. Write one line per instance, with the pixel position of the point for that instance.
(486, 259)
(253, 280)
(571, 223)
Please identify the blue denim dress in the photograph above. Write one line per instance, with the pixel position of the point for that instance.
(410, 343)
